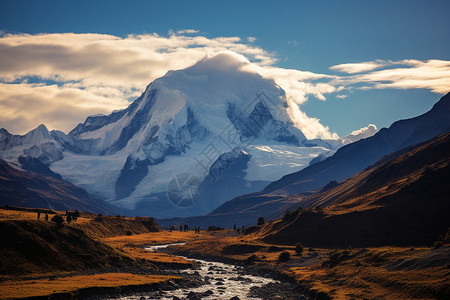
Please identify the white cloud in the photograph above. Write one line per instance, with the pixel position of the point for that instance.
(251, 39)
(341, 96)
(59, 107)
(353, 68)
(105, 70)
(187, 31)
(362, 133)
(433, 75)
(83, 74)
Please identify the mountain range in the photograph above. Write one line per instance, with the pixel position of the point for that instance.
(272, 201)
(193, 132)
(402, 200)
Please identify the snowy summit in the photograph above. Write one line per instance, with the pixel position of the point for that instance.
(194, 139)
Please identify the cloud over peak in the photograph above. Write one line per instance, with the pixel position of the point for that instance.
(104, 71)
(60, 79)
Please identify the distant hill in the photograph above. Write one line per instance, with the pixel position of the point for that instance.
(401, 200)
(30, 189)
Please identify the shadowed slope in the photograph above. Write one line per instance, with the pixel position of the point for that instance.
(401, 200)
(356, 156)
(29, 189)
(40, 247)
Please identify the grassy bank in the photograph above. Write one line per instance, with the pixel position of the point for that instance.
(74, 286)
(39, 258)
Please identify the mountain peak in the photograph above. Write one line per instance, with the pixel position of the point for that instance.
(37, 135)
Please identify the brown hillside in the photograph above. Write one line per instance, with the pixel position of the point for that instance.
(38, 247)
(399, 201)
(107, 226)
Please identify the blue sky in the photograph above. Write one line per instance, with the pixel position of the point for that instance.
(304, 35)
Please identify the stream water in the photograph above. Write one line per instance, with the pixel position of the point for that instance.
(222, 281)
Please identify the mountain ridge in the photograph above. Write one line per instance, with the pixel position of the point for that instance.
(30, 189)
(400, 200)
(183, 122)
(276, 197)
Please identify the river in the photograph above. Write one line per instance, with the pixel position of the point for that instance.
(221, 281)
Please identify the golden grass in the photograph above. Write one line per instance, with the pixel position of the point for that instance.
(151, 238)
(46, 287)
(367, 276)
(33, 284)
(26, 215)
(363, 276)
(156, 258)
(132, 245)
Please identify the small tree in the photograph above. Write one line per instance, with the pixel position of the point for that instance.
(284, 256)
(438, 244)
(298, 248)
(58, 220)
(261, 221)
(99, 217)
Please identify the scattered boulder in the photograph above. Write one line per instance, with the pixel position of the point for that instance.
(193, 296)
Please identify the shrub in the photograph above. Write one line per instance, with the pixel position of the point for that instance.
(288, 216)
(251, 229)
(261, 221)
(438, 244)
(299, 248)
(214, 228)
(284, 256)
(58, 220)
(337, 256)
(251, 259)
(291, 215)
(274, 249)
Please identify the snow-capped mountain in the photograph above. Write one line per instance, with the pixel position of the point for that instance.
(194, 139)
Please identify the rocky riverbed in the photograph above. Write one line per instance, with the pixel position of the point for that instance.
(218, 280)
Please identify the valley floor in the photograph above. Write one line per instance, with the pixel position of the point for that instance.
(372, 273)
(360, 273)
